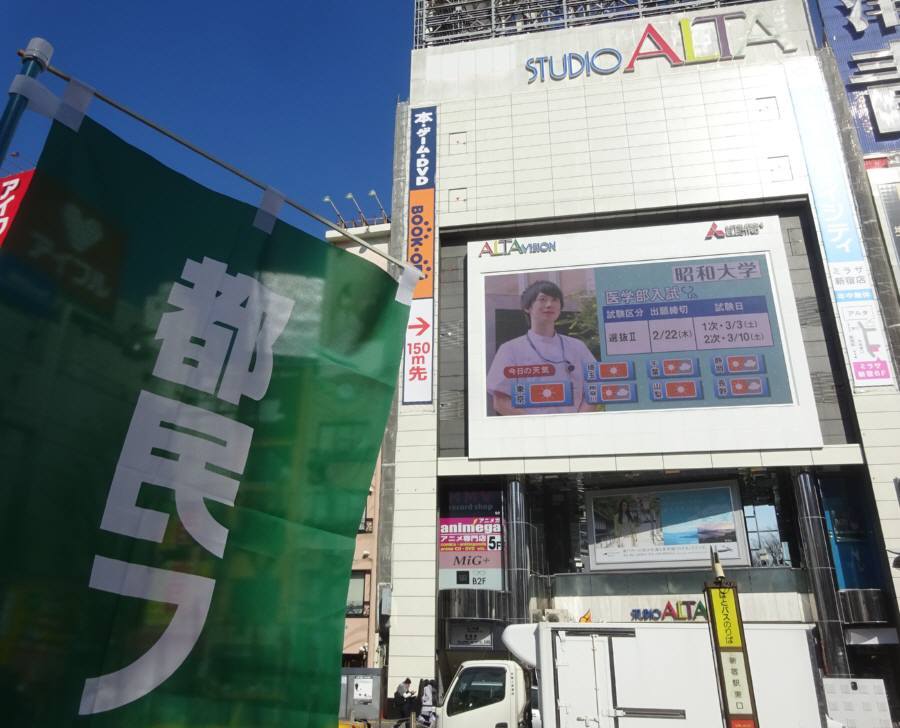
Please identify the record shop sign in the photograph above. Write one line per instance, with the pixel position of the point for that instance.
(718, 37)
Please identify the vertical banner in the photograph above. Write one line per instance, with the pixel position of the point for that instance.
(470, 540)
(190, 415)
(418, 350)
(851, 278)
(12, 190)
(730, 646)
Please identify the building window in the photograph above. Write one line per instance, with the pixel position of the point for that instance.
(358, 595)
(763, 506)
(365, 523)
(476, 688)
(766, 546)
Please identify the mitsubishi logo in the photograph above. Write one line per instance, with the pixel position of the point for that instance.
(737, 230)
(715, 232)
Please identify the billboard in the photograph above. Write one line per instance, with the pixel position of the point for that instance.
(647, 528)
(418, 349)
(671, 338)
(849, 273)
(470, 541)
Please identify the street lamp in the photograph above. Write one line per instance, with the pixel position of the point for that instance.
(337, 212)
(362, 216)
(384, 215)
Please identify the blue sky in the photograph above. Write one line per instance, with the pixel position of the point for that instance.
(297, 94)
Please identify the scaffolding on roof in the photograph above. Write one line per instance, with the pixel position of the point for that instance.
(442, 22)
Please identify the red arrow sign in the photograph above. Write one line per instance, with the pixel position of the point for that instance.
(422, 326)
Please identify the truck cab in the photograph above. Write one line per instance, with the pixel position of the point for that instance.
(490, 693)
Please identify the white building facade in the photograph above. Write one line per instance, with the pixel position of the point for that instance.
(716, 375)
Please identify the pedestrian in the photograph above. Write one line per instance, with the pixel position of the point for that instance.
(403, 700)
(429, 698)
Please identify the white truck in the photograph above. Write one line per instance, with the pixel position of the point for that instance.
(657, 675)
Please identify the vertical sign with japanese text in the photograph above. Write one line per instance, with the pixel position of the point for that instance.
(185, 455)
(418, 350)
(859, 314)
(731, 661)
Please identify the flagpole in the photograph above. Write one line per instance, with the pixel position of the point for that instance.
(35, 58)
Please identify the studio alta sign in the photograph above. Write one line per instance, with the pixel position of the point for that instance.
(688, 610)
(702, 39)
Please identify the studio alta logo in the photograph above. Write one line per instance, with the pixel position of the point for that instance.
(738, 230)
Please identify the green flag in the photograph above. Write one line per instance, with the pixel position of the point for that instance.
(190, 414)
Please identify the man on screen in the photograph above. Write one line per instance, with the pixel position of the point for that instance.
(541, 372)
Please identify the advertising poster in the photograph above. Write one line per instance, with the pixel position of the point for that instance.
(862, 327)
(363, 688)
(470, 541)
(651, 529)
(667, 339)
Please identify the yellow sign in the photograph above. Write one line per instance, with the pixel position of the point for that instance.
(723, 607)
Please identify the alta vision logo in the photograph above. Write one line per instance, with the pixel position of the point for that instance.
(509, 246)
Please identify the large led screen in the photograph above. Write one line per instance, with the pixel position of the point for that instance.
(676, 338)
(698, 332)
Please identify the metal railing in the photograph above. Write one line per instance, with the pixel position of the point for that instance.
(441, 22)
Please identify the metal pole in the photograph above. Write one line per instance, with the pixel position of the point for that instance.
(35, 59)
(518, 561)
